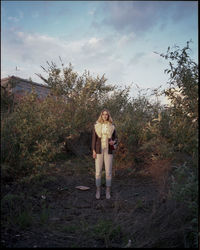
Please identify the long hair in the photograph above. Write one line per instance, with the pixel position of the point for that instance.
(100, 119)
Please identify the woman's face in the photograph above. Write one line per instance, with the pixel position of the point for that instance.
(105, 116)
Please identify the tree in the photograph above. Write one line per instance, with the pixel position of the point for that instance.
(183, 95)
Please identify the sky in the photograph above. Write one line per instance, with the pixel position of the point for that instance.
(115, 38)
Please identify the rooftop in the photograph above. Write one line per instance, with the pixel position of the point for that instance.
(3, 80)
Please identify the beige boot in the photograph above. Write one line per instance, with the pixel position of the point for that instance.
(107, 192)
(98, 193)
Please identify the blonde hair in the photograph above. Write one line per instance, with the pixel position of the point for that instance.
(100, 119)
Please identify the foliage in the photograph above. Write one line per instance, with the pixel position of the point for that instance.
(183, 95)
(183, 131)
(184, 188)
(7, 97)
(31, 134)
(83, 94)
(18, 210)
(35, 131)
(105, 230)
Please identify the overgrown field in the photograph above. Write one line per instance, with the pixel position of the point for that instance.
(46, 210)
(46, 153)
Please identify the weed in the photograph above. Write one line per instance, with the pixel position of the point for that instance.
(16, 212)
(84, 226)
(44, 214)
(72, 228)
(106, 231)
(24, 219)
(139, 204)
(184, 188)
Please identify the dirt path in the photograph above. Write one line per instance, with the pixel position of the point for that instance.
(74, 218)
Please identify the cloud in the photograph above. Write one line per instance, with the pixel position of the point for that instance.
(63, 11)
(21, 14)
(125, 39)
(141, 16)
(33, 48)
(16, 19)
(35, 14)
(100, 55)
(91, 12)
(96, 47)
(136, 58)
(134, 16)
(184, 9)
(29, 51)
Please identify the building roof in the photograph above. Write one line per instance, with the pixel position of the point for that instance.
(6, 79)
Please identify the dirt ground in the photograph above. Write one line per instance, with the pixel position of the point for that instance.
(59, 215)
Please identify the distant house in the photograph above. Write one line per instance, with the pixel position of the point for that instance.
(19, 87)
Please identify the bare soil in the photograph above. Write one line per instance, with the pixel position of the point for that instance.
(59, 215)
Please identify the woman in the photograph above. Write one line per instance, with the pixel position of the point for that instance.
(104, 141)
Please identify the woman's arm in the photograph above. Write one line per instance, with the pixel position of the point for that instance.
(115, 138)
(94, 138)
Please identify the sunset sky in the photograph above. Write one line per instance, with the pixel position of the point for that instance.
(115, 38)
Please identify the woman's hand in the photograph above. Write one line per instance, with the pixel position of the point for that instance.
(111, 142)
(94, 154)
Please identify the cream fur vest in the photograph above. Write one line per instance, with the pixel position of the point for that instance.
(98, 129)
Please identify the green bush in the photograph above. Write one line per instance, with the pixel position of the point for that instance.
(31, 133)
(183, 95)
(184, 188)
(35, 132)
(183, 130)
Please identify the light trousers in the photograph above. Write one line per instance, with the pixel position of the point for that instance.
(107, 159)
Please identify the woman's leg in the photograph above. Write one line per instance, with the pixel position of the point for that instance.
(98, 173)
(108, 158)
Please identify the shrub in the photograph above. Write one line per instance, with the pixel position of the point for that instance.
(32, 133)
(183, 131)
(183, 95)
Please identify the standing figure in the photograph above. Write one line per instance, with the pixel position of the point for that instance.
(104, 141)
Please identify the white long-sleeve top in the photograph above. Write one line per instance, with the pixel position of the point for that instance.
(104, 139)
